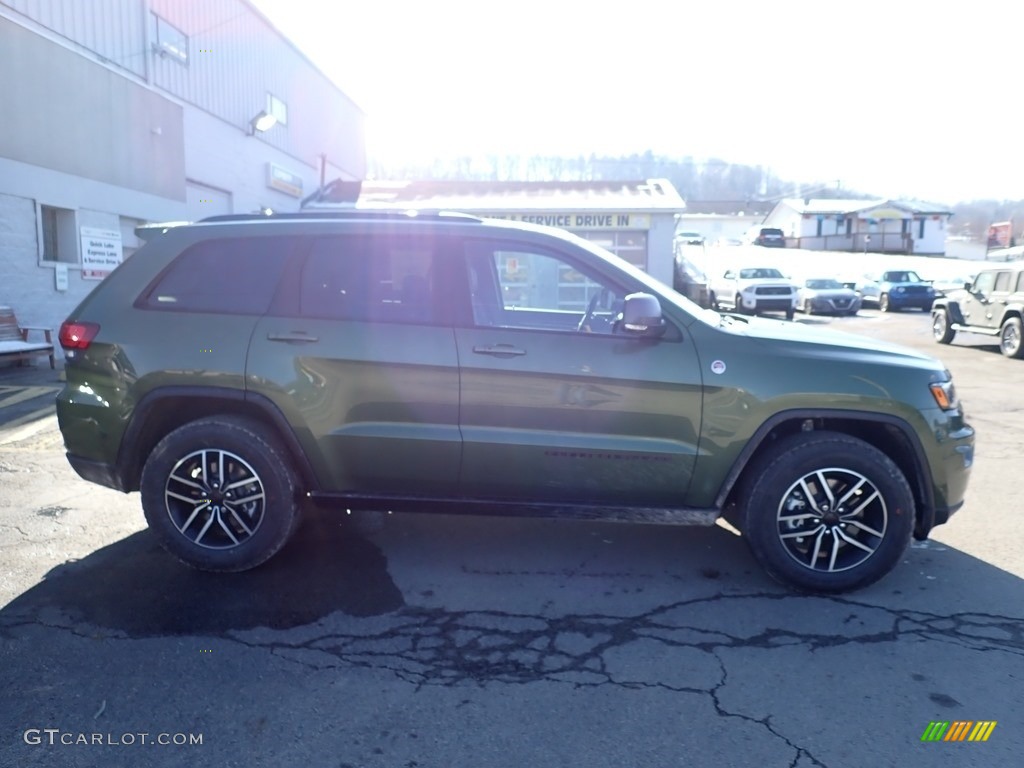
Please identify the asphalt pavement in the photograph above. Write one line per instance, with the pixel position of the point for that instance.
(446, 641)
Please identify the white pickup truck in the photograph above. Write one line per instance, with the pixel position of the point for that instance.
(753, 290)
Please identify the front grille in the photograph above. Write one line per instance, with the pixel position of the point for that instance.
(774, 304)
(772, 290)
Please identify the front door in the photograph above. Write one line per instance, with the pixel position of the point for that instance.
(557, 403)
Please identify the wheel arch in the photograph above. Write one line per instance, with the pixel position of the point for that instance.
(163, 410)
(952, 308)
(891, 435)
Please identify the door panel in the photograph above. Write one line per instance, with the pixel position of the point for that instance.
(377, 403)
(578, 417)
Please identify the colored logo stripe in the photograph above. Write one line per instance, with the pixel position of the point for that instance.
(958, 730)
(982, 730)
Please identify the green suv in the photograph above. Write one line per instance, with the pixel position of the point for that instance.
(236, 370)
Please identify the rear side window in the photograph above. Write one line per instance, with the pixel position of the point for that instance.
(235, 276)
(363, 278)
(1002, 282)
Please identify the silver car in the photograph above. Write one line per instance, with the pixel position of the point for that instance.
(827, 296)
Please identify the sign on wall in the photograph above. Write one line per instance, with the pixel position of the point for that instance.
(581, 220)
(283, 180)
(101, 252)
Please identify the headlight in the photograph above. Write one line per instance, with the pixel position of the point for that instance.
(897, 289)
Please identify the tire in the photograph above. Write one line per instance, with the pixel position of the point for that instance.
(807, 309)
(941, 329)
(790, 313)
(192, 515)
(713, 302)
(1011, 338)
(738, 303)
(883, 303)
(823, 560)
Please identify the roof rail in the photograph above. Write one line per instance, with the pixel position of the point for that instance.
(354, 213)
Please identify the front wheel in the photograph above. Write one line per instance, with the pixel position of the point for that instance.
(941, 329)
(826, 512)
(790, 313)
(883, 303)
(1011, 338)
(219, 494)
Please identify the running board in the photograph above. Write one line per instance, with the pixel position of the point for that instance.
(974, 329)
(500, 508)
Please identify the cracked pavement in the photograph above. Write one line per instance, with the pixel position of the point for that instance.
(445, 641)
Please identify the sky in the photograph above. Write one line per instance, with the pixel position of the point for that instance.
(902, 99)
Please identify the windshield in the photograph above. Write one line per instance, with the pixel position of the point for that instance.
(821, 284)
(753, 274)
(902, 277)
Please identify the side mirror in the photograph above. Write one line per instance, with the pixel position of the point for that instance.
(728, 274)
(641, 315)
(968, 286)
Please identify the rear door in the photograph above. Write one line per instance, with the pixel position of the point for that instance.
(557, 403)
(359, 355)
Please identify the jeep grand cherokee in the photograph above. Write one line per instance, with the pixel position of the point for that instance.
(235, 369)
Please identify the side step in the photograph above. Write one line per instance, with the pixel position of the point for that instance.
(554, 511)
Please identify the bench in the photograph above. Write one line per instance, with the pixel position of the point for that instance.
(14, 343)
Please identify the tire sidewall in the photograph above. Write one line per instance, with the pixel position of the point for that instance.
(252, 444)
(946, 336)
(1019, 351)
(795, 458)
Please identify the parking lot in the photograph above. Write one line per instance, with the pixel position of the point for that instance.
(467, 641)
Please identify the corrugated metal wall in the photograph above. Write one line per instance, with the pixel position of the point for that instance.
(234, 60)
(111, 28)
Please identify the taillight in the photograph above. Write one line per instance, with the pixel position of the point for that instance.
(77, 335)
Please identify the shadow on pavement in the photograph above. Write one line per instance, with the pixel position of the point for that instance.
(136, 587)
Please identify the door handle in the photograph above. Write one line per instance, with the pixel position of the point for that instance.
(500, 350)
(293, 337)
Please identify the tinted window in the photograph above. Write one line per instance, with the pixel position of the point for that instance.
(1002, 282)
(386, 279)
(229, 276)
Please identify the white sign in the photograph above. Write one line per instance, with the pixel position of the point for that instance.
(101, 252)
(60, 277)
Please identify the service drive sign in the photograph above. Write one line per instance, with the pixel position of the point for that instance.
(101, 252)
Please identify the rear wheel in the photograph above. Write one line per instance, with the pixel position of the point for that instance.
(941, 329)
(713, 301)
(1011, 338)
(826, 512)
(219, 494)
